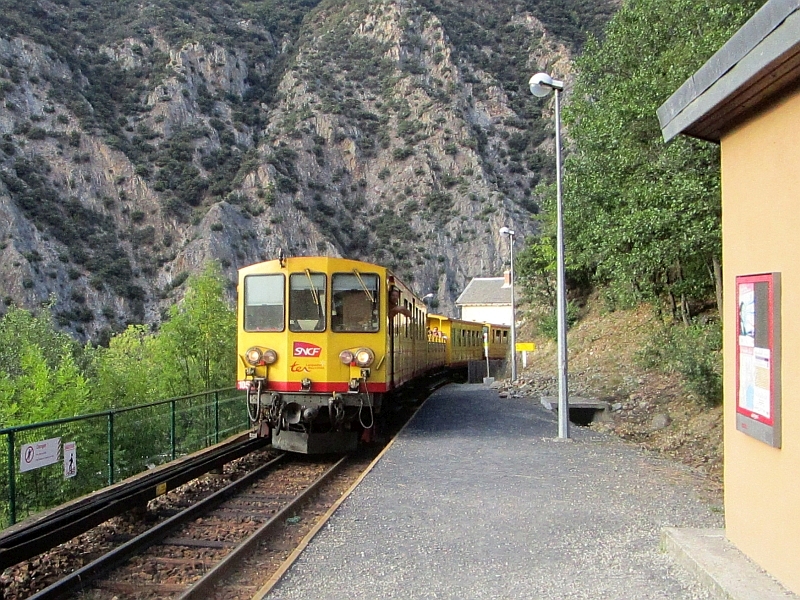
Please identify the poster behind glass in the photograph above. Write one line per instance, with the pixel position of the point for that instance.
(758, 357)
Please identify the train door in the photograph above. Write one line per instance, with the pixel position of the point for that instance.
(390, 367)
(392, 304)
(398, 348)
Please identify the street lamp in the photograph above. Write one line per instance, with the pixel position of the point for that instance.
(540, 85)
(506, 232)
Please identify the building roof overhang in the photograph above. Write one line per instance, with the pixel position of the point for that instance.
(759, 63)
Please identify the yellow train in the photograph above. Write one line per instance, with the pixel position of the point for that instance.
(467, 340)
(325, 343)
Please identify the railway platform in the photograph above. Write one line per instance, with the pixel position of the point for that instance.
(478, 498)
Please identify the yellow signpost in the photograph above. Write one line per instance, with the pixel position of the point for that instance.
(525, 347)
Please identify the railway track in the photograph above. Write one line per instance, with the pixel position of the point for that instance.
(28, 540)
(187, 554)
(242, 534)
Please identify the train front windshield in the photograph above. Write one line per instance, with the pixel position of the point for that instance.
(355, 302)
(307, 297)
(263, 302)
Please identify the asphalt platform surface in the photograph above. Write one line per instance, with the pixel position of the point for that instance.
(478, 498)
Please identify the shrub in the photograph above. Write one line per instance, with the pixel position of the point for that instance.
(37, 133)
(402, 153)
(546, 323)
(694, 352)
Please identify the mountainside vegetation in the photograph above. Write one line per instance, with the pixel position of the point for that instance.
(45, 374)
(139, 141)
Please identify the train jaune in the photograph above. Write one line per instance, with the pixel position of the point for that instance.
(325, 345)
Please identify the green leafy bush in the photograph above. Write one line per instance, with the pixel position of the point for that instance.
(402, 152)
(546, 322)
(694, 352)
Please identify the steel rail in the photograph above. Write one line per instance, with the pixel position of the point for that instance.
(83, 576)
(63, 525)
(202, 588)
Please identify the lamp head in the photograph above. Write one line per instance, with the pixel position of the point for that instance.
(542, 83)
(505, 231)
(428, 296)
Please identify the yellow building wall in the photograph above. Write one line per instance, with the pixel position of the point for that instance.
(761, 234)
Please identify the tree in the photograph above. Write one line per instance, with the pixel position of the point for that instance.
(40, 379)
(642, 216)
(20, 328)
(536, 264)
(198, 342)
(127, 373)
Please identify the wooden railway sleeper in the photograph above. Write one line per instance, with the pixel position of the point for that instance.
(78, 579)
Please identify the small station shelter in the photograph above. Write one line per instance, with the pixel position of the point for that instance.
(747, 99)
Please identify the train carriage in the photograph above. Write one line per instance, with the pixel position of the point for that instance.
(322, 343)
(463, 339)
(498, 339)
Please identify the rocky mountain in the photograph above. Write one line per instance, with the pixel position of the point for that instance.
(141, 140)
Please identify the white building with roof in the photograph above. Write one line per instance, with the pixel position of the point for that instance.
(487, 300)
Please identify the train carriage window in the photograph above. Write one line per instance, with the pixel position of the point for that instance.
(307, 297)
(263, 302)
(355, 302)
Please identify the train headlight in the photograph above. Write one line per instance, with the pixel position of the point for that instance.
(364, 357)
(253, 356)
(346, 356)
(256, 356)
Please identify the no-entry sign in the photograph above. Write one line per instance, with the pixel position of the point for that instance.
(39, 454)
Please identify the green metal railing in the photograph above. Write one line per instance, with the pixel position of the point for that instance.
(110, 446)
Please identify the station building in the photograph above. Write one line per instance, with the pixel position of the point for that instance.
(747, 99)
(487, 300)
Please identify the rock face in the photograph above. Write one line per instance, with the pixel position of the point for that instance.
(131, 157)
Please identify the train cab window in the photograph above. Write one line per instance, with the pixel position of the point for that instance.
(263, 302)
(307, 297)
(354, 302)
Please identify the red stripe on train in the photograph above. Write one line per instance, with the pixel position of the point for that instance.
(317, 387)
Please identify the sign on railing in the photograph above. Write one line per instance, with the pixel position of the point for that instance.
(39, 454)
(41, 459)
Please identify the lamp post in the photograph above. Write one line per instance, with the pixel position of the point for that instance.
(509, 233)
(540, 85)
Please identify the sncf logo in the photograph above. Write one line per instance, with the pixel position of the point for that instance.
(306, 350)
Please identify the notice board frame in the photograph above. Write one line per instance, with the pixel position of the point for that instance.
(758, 357)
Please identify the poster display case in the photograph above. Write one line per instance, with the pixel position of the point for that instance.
(758, 357)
